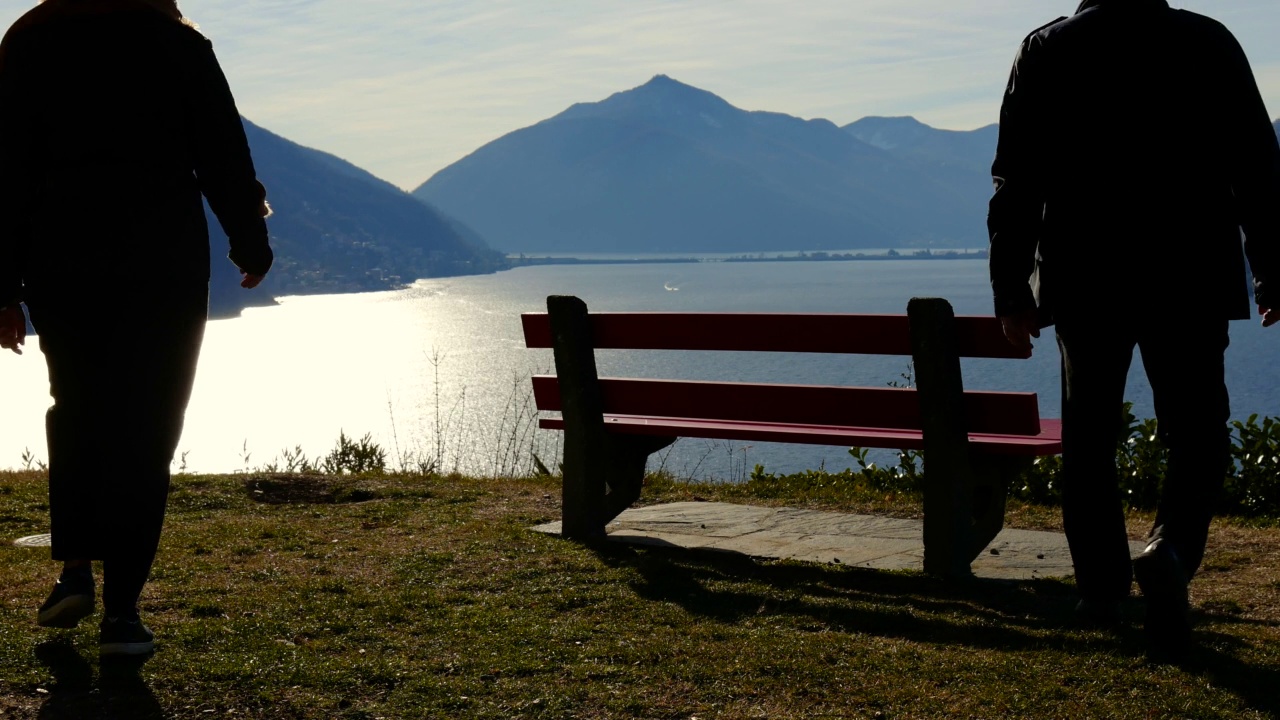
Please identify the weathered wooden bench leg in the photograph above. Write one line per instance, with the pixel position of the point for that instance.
(948, 515)
(586, 447)
(992, 475)
(602, 473)
(624, 472)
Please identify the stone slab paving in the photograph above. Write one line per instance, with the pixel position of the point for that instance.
(825, 537)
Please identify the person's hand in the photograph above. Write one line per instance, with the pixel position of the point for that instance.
(13, 328)
(1020, 328)
(249, 281)
(1270, 316)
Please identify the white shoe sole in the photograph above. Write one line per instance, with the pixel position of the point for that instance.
(132, 649)
(67, 613)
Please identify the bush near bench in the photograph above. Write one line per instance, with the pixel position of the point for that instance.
(1252, 484)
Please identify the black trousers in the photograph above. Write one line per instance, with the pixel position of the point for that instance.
(1183, 358)
(120, 375)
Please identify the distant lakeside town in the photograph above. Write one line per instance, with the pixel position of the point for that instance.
(523, 260)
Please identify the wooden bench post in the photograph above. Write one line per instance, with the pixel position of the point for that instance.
(602, 474)
(965, 492)
(948, 471)
(583, 488)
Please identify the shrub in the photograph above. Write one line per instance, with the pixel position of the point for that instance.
(1141, 460)
(907, 476)
(355, 457)
(1252, 487)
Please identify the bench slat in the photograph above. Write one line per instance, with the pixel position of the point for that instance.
(977, 336)
(1047, 442)
(1000, 413)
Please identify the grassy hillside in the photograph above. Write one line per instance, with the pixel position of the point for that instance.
(284, 596)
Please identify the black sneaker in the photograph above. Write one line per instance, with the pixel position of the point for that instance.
(125, 637)
(69, 603)
(1163, 581)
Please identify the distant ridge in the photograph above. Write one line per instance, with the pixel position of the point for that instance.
(338, 228)
(667, 167)
(670, 168)
(911, 139)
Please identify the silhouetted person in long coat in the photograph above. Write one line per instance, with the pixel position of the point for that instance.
(1134, 149)
(114, 119)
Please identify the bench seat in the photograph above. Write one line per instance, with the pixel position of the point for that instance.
(999, 423)
(1048, 442)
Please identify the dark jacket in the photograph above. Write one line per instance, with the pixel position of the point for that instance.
(1134, 148)
(114, 119)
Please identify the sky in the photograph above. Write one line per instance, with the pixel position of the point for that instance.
(403, 88)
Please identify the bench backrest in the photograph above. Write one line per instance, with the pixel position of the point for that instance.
(976, 336)
(1004, 413)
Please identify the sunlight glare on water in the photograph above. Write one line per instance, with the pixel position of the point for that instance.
(300, 372)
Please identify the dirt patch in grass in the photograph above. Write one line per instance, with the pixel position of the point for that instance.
(308, 490)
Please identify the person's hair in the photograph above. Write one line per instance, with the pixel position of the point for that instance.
(167, 7)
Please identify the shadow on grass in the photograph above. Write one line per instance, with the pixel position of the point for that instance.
(978, 613)
(1004, 615)
(119, 694)
(1217, 659)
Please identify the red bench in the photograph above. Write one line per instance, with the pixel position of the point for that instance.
(974, 443)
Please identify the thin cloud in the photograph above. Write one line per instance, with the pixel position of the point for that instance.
(405, 87)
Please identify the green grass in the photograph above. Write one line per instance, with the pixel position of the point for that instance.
(409, 597)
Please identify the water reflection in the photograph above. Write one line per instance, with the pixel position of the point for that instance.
(440, 369)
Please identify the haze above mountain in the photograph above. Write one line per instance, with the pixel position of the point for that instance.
(666, 167)
(337, 228)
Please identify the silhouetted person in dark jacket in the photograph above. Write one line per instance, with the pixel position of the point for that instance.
(114, 119)
(1134, 148)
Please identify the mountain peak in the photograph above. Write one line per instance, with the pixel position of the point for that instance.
(663, 79)
(888, 133)
(892, 120)
(661, 96)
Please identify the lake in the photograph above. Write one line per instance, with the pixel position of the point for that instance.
(439, 369)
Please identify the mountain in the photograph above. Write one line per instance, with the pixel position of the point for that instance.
(666, 167)
(908, 138)
(960, 160)
(337, 228)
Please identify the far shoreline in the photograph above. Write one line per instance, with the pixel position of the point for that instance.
(218, 311)
(526, 260)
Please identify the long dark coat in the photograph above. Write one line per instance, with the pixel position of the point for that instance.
(1134, 148)
(114, 118)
